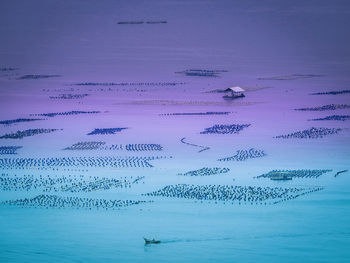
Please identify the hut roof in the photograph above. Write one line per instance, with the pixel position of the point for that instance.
(235, 89)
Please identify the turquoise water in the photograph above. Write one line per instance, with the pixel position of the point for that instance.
(253, 42)
(304, 230)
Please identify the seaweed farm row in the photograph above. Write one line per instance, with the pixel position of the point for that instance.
(69, 96)
(312, 133)
(201, 72)
(26, 133)
(85, 146)
(9, 149)
(96, 145)
(32, 132)
(68, 183)
(186, 103)
(100, 162)
(339, 92)
(229, 193)
(326, 107)
(206, 171)
(143, 147)
(128, 83)
(225, 129)
(243, 155)
(103, 131)
(9, 122)
(54, 201)
(66, 113)
(334, 118)
(291, 77)
(294, 173)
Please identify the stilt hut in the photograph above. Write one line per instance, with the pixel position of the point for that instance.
(234, 93)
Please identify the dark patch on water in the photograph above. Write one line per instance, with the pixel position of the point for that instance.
(157, 22)
(291, 77)
(201, 72)
(142, 22)
(69, 96)
(6, 69)
(128, 84)
(37, 77)
(130, 22)
(332, 92)
(187, 103)
(196, 113)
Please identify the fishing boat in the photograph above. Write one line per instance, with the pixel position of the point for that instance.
(151, 241)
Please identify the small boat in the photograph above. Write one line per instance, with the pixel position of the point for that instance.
(151, 241)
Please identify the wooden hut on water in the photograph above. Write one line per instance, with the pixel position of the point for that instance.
(234, 93)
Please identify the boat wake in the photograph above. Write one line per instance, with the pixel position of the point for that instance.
(287, 235)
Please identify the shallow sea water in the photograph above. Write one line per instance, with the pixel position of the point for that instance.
(83, 42)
